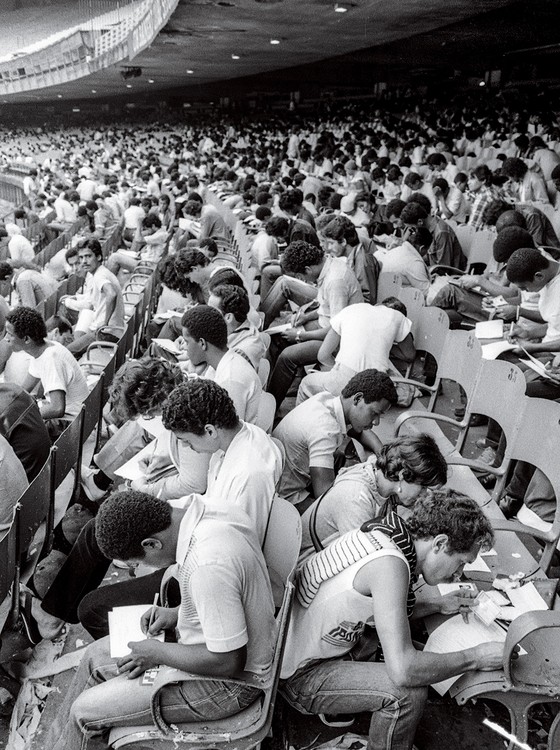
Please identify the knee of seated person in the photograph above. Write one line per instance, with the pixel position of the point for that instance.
(93, 615)
(445, 297)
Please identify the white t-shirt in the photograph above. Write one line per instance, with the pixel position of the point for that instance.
(242, 383)
(226, 598)
(367, 333)
(406, 261)
(58, 371)
(246, 475)
(95, 286)
(310, 434)
(21, 249)
(549, 306)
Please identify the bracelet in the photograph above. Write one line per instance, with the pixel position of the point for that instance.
(299, 331)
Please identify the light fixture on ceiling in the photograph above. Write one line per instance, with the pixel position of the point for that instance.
(340, 8)
(482, 83)
(94, 91)
(190, 72)
(128, 85)
(59, 96)
(150, 80)
(235, 57)
(275, 41)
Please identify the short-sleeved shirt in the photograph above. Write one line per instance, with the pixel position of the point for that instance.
(549, 307)
(226, 599)
(96, 285)
(310, 433)
(367, 333)
(20, 249)
(408, 263)
(239, 378)
(59, 371)
(337, 287)
(351, 501)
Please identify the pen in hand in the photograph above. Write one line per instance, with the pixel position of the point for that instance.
(152, 615)
(465, 616)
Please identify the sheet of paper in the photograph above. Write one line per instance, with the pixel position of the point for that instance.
(124, 627)
(526, 598)
(493, 350)
(540, 369)
(167, 315)
(489, 329)
(479, 566)
(279, 328)
(153, 426)
(131, 469)
(168, 345)
(455, 635)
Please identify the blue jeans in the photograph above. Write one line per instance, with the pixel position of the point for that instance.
(99, 698)
(340, 686)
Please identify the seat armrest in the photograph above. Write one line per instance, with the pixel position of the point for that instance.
(520, 628)
(417, 414)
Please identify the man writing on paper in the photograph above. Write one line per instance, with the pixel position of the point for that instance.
(224, 624)
(338, 593)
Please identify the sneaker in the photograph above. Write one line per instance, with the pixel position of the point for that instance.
(92, 491)
(337, 720)
(488, 456)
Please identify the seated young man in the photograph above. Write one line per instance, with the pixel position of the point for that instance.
(224, 623)
(444, 532)
(243, 337)
(31, 285)
(149, 247)
(205, 338)
(445, 248)
(52, 367)
(101, 302)
(460, 301)
(343, 242)
(337, 287)
(360, 337)
(397, 476)
(312, 432)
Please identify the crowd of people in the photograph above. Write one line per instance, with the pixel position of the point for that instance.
(330, 204)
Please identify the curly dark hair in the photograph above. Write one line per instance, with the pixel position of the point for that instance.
(412, 213)
(6, 270)
(299, 255)
(415, 459)
(196, 403)
(454, 514)
(141, 386)
(509, 240)
(205, 322)
(125, 519)
(28, 322)
(233, 299)
(150, 221)
(189, 259)
(341, 228)
(170, 274)
(523, 265)
(515, 168)
(374, 385)
(225, 275)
